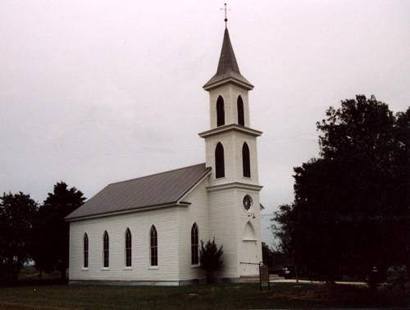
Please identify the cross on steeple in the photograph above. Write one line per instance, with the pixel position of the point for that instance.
(228, 69)
(226, 15)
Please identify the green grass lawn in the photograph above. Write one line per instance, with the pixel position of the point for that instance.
(232, 296)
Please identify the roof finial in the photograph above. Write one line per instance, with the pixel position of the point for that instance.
(226, 15)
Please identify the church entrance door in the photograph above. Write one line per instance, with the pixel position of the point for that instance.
(249, 258)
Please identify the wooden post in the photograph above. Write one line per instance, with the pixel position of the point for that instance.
(263, 276)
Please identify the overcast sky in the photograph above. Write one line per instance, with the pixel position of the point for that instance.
(93, 92)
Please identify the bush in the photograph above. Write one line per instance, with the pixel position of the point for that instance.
(397, 276)
(211, 259)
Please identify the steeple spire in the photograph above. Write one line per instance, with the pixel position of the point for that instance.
(228, 69)
(227, 59)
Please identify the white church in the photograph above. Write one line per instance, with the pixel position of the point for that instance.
(148, 230)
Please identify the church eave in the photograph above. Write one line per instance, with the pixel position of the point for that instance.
(231, 127)
(194, 186)
(213, 84)
(241, 185)
(127, 211)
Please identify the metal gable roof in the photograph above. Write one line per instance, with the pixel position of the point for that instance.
(152, 190)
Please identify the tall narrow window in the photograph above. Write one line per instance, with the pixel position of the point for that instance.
(241, 117)
(220, 111)
(85, 251)
(219, 161)
(194, 245)
(246, 161)
(154, 246)
(128, 244)
(106, 250)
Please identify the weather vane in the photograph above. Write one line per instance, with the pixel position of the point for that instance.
(226, 15)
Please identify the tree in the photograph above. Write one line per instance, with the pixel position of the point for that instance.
(16, 215)
(267, 255)
(351, 205)
(51, 231)
(211, 259)
(282, 228)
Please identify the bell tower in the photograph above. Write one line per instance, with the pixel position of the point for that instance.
(231, 152)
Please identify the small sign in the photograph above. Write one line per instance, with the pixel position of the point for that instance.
(263, 276)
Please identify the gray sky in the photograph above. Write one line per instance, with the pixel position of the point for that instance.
(93, 92)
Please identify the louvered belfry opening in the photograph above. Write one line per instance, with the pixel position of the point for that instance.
(241, 116)
(219, 161)
(220, 111)
(246, 161)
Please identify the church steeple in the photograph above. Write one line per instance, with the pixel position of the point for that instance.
(231, 154)
(228, 69)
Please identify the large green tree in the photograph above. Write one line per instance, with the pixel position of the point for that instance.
(351, 206)
(51, 231)
(16, 215)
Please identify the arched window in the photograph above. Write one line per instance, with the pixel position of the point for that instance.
(106, 250)
(194, 245)
(154, 246)
(85, 250)
(128, 244)
(241, 116)
(246, 161)
(219, 161)
(220, 112)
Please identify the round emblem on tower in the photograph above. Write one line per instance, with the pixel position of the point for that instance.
(247, 202)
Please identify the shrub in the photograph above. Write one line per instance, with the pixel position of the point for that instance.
(211, 259)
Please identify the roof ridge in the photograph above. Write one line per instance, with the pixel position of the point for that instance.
(158, 173)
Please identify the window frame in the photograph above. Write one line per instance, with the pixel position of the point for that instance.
(153, 255)
(85, 251)
(106, 250)
(194, 245)
(128, 248)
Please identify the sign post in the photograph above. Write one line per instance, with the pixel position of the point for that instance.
(263, 276)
